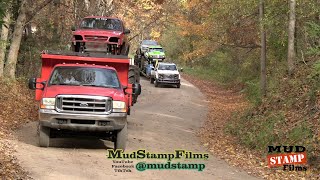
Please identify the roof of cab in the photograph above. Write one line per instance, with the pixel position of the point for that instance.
(85, 65)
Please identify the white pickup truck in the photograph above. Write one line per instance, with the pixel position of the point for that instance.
(165, 73)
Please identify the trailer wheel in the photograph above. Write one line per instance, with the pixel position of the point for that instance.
(44, 136)
(121, 138)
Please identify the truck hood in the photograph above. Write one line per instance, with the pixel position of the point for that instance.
(156, 53)
(167, 72)
(54, 90)
(97, 32)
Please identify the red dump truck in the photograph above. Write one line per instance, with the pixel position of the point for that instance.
(83, 93)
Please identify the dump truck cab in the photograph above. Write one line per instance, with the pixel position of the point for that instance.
(84, 94)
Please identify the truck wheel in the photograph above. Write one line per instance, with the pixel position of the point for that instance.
(156, 84)
(75, 48)
(121, 139)
(44, 136)
(137, 70)
(151, 80)
(178, 85)
(132, 75)
(125, 50)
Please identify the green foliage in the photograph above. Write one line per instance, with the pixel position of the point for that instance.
(313, 31)
(174, 45)
(253, 92)
(256, 133)
(3, 7)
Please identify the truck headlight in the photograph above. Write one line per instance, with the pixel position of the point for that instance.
(119, 106)
(48, 103)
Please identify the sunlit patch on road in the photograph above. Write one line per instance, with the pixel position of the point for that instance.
(161, 114)
(187, 84)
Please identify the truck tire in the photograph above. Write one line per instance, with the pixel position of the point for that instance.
(121, 138)
(134, 77)
(137, 74)
(178, 85)
(151, 80)
(125, 50)
(156, 84)
(75, 48)
(44, 136)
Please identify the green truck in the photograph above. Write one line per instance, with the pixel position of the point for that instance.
(155, 53)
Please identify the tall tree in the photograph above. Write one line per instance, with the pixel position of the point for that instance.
(263, 75)
(10, 68)
(291, 38)
(4, 40)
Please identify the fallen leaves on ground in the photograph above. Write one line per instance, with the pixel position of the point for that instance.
(223, 103)
(17, 107)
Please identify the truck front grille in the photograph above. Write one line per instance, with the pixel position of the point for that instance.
(96, 38)
(171, 76)
(84, 104)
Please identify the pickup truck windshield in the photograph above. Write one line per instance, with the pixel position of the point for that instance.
(156, 49)
(101, 23)
(79, 76)
(149, 42)
(167, 67)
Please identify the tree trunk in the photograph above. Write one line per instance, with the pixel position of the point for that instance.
(4, 40)
(291, 32)
(263, 72)
(10, 68)
(87, 4)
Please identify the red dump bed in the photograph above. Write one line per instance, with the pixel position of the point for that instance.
(50, 59)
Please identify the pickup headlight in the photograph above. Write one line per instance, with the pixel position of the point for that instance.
(48, 103)
(160, 76)
(119, 106)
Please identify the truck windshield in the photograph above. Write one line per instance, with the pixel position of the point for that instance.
(149, 42)
(156, 49)
(167, 67)
(78, 76)
(101, 23)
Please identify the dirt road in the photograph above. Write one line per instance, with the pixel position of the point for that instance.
(163, 120)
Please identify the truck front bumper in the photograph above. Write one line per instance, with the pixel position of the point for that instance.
(165, 81)
(157, 59)
(82, 122)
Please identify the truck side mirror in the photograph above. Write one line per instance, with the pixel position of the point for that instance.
(73, 28)
(32, 83)
(136, 88)
(126, 31)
